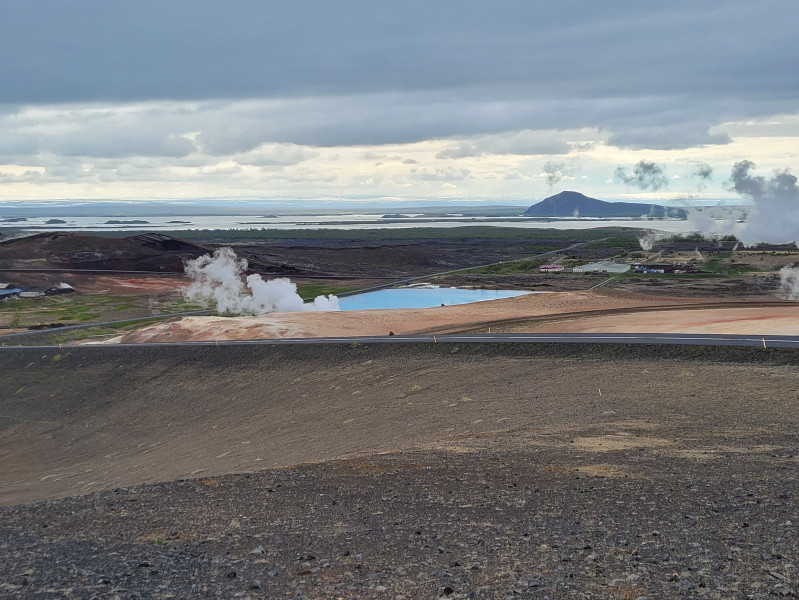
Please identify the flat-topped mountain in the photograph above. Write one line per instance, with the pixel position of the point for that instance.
(569, 204)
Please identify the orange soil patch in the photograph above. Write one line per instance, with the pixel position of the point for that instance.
(381, 322)
(132, 285)
(774, 320)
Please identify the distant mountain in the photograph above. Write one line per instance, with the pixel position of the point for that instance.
(568, 204)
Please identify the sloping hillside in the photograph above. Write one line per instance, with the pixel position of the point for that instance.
(83, 251)
(568, 204)
(80, 420)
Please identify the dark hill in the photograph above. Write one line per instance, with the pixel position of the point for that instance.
(82, 251)
(568, 204)
(150, 252)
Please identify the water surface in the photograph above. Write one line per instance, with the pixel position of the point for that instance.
(422, 297)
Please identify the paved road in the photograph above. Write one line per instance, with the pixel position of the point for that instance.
(768, 341)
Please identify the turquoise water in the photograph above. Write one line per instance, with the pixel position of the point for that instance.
(421, 298)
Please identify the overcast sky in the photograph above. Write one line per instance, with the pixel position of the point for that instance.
(452, 99)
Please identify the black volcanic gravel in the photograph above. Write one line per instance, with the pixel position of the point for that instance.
(491, 523)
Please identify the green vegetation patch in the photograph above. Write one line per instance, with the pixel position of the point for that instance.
(627, 242)
(72, 335)
(511, 268)
(73, 309)
(727, 268)
(309, 291)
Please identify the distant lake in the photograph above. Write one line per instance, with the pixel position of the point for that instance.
(352, 221)
(428, 297)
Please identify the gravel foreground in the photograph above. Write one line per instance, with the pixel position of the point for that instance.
(478, 523)
(526, 472)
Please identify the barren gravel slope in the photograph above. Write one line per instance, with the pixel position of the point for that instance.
(468, 471)
(84, 419)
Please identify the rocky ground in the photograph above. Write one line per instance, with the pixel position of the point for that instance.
(400, 472)
(527, 523)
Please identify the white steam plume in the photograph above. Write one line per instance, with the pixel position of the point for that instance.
(698, 254)
(789, 282)
(650, 238)
(218, 281)
(775, 215)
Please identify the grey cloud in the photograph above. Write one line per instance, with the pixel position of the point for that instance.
(675, 137)
(221, 128)
(28, 176)
(582, 146)
(704, 173)
(221, 170)
(305, 176)
(90, 50)
(259, 72)
(445, 174)
(646, 175)
(225, 79)
(775, 216)
(109, 131)
(276, 155)
(772, 127)
(462, 150)
(522, 142)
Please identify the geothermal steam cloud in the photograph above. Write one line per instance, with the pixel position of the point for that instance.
(789, 282)
(218, 280)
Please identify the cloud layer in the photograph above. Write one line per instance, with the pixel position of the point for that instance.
(193, 90)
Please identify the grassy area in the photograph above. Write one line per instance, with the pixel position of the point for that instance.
(309, 291)
(74, 309)
(726, 267)
(67, 308)
(511, 268)
(627, 242)
(697, 237)
(182, 305)
(81, 334)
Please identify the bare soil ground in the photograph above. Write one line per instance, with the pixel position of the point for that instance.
(772, 320)
(350, 263)
(376, 472)
(532, 312)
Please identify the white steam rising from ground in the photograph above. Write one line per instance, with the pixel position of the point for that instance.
(219, 281)
(771, 216)
(650, 238)
(789, 283)
(774, 217)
